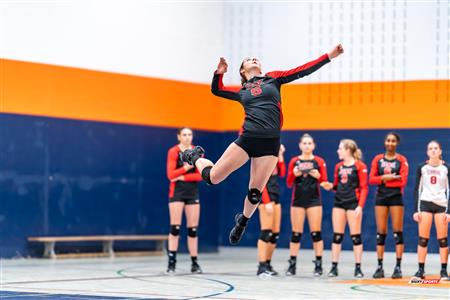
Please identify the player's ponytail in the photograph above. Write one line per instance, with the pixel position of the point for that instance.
(353, 147)
(243, 78)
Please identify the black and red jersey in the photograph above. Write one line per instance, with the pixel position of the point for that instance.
(381, 166)
(260, 97)
(350, 183)
(186, 189)
(271, 191)
(306, 187)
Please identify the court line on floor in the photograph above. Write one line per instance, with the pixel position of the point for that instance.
(359, 288)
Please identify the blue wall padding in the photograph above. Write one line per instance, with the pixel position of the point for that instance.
(68, 177)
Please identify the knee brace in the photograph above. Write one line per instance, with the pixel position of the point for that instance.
(265, 235)
(381, 239)
(206, 175)
(423, 242)
(356, 239)
(316, 236)
(274, 237)
(192, 232)
(175, 230)
(443, 243)
(254, 196)
(296, 236)
(398, 237)
(337, 238)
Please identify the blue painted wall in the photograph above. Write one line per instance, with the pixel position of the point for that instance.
(67, 177)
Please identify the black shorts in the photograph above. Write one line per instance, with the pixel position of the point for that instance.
(430, 207)
(273, 189)
(299, 202)
(257, 147)
(346, 205)
(186, 201)
(395, 201)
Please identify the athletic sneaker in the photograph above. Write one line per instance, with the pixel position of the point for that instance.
(263, 270)
(191, 155)
(420, 274)
(397, 273)
(292, 268)
(358, 272)
(171, 267)
(271, 270)
(333, 272)
(379, 273)
(318, 271)
(195, 268)
(238, 230)
(444, 275)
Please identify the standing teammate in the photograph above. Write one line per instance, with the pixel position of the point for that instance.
(350, 184)
(432, 202)
(270, 218)
(390, 172)
(306, 172)
(260, 135)
(183, 195)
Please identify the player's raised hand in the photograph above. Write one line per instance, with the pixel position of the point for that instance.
(222, 67)
(336, 51)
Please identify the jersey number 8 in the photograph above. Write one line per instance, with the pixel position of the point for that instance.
(433, 179)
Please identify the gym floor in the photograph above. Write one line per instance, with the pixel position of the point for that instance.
(229, 274)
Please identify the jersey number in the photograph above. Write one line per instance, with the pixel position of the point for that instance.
(433, 179)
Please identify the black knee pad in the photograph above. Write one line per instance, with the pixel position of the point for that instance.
(381, 239)
(337, 238)
(316, 236)
(175, 230)
(254, 196)
(356, 239)
(206, 175)
(265, 235)
(443, 243)
(296, 236)
(192, 232)
(274, 237)
(423, 242)
(398, 237)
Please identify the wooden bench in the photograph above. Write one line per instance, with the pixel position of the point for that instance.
(106, 240)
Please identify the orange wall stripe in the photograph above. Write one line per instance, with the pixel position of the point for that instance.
(63, 92)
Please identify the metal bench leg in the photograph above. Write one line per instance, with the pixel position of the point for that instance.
(108, 248)
(49, 250)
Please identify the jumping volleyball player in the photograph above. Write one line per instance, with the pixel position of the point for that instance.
(259, 139)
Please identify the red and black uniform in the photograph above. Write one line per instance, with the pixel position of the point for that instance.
(260, 97)
(306, 189)
(389, 193)
(272, 190)
(182, 190)
(350, 184)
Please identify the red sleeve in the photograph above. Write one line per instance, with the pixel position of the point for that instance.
(196, 177)
(336, 177)
(404, 170)
(291, 177)
(374, 178)
(172, 171)
(301, 71)
(265, 196)
(281, 165)
(322, 169)
(363, 187)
